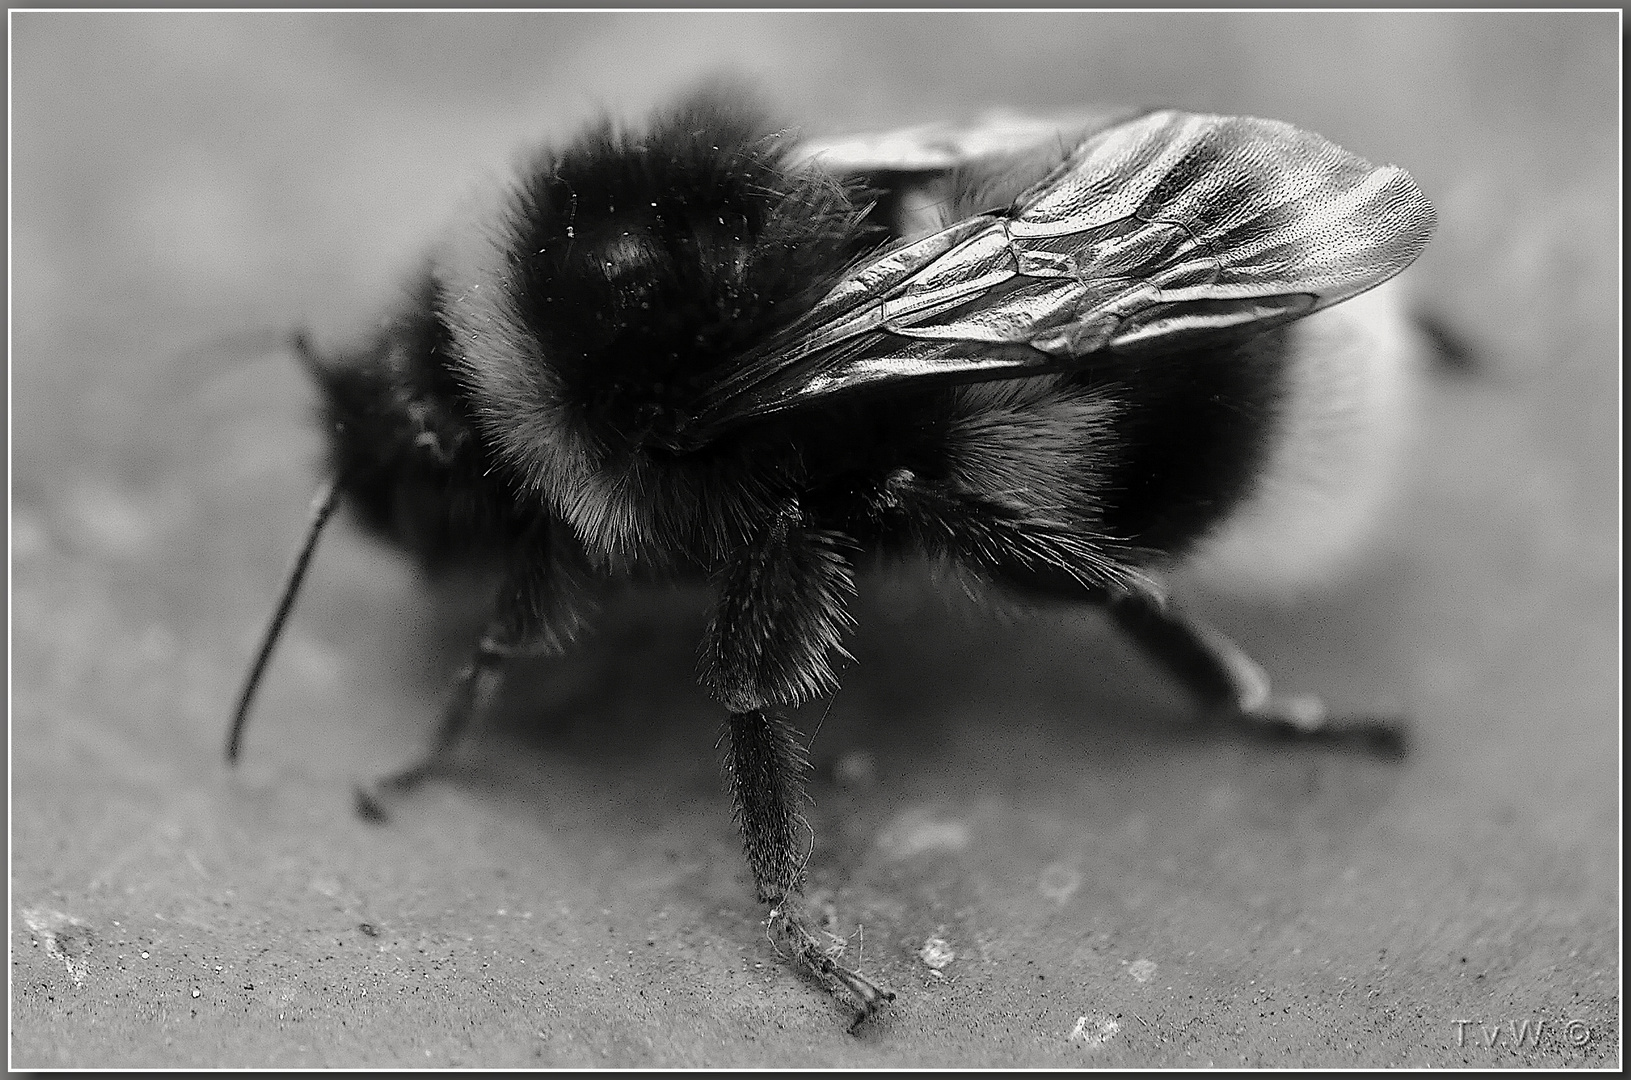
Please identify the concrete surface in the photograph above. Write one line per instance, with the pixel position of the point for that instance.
(1016, 827)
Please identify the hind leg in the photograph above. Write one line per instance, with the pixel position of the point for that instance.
(1231, 684)
(1224, 679)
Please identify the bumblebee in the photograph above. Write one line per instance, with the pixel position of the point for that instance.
(1057, 357)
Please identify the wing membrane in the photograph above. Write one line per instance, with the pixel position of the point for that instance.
(1165, 233)
(942, 147)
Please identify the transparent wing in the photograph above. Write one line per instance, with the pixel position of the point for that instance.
(945, 146)
(918, 176)
(1162, 234)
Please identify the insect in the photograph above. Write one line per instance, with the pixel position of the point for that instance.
(1058, 360)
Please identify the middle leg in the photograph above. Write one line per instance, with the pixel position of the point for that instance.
(782, 610)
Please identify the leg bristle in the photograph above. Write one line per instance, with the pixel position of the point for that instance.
(788, 924)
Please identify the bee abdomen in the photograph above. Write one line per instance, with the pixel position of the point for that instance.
(1345, 418)
(1190, 434)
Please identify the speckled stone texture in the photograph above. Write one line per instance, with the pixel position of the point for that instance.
(1017, 828)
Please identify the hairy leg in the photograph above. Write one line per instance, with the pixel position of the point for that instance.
(781, 612)
(766, 765)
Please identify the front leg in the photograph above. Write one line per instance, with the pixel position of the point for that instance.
(473, 688)
(781, 615)
(541, 607)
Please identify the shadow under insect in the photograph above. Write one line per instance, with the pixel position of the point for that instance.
(941, 697)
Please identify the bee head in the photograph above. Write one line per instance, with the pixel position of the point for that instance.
(624, 276)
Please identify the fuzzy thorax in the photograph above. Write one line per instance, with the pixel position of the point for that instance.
(608, 289)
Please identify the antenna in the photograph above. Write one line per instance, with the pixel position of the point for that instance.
(322, 507)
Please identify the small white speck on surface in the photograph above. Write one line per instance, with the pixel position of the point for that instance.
(144, 954)
(1094, 1029)
(917, 831)
(197, 992)
(936, 953)
(1142, 970)
(1059, 882)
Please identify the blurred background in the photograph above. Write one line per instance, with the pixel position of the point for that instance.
(1113, 885)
